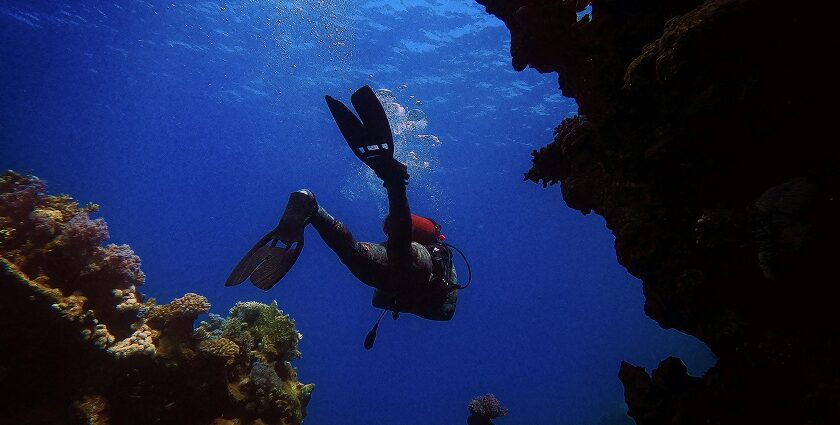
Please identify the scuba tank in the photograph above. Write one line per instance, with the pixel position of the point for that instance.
(423, 230)
(426, 232)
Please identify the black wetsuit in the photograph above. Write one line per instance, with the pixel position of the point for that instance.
(402, 271)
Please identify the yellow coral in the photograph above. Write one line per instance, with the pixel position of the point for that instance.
(94, 410)
(48, 214)
(201, 333)
(221, 347)
(72, 307)
(99, 336)
(129, 300)
(66, 207)
(140, 342)
(190, 305)
(50, 294)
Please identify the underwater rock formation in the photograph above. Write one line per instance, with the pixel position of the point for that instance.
(80, 343)
(702, 141)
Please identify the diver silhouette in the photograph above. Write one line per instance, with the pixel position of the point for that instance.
(411, 271)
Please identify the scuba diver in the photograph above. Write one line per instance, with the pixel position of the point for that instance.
(411, 272)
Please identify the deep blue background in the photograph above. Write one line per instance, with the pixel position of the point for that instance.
(190, 122)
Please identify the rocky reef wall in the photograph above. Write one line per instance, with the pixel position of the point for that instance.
(79, 344)
(704, 140)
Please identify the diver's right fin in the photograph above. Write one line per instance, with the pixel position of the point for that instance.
(374, 119)
(370, 138)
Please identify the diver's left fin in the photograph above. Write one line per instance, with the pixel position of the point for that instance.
(249, 262)
(278, 262)
(373, 117)
(266, 263)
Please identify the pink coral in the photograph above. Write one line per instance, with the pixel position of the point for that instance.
(19, 193)
(83, 232)
(487, 406)
(52, 238)
(123, 265)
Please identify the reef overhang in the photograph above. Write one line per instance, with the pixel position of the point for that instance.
(701, 140)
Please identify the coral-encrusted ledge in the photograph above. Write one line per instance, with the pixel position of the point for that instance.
(80, 343)
(705, 141)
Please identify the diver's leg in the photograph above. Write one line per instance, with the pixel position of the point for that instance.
(367, 261)
(399, 224)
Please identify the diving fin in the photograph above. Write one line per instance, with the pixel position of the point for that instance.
(370, 137)
(266, 263)
(248, 263)
(374, 120)
(349, 125)
(277, 263)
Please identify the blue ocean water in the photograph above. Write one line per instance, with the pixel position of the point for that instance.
(189, 122)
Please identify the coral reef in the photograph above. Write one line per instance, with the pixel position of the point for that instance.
(257, 342)
(485, 408)
(82, 345)
(701, 141)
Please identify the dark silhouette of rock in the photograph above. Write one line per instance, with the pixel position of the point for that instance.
(478, 420)
(705, 140)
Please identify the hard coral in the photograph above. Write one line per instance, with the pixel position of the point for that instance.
(181, 310)
(264, 377)
(264, 338)
(487, 406)
(121, 261)
(142, 341)
(19, 194)
(71, 307)
(175, 322)
(93, 410)
(222, 348)
(272, 331)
